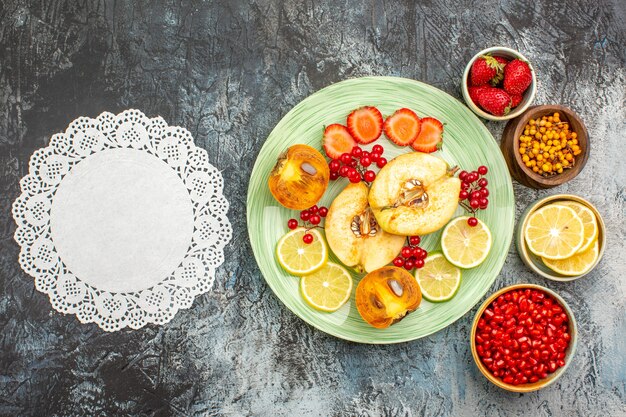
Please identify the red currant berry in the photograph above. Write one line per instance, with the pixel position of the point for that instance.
(314, 209)
(381, 162)
(483, 182)
(305, 215)
(409, 264)
(315, 219)
(352, 172)
(483, 203)
(353, 163)
(482, 170)
(415, 240)
(464, 185)
(422, 254)
(346, 158)
(365, 153)
(374, 156)
(323, 212)
(307, 238)
(416, 252)
(369, 176)
(378, 149)
(463, 194)
(419, 263)
(463, 175)
(472, 176)
(292, 224)
(399, 262)
(366, 161)
(472, 221)
(484, 192)
(355, 178)
(474, 203)
(407, 252)
(334, 165)
(357, 151)
(475, 195)
(334, 176)
(344, 170)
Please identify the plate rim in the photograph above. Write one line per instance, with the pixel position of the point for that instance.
(332, 332)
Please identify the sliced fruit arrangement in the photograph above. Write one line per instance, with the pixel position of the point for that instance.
(497, 85)
(328, 288)
(386, 295)
(565, 236)
(414, 194)
(365, 124)
(378, 218)
(299, 257)
(463, 245)
(438, 279)
(299, 178)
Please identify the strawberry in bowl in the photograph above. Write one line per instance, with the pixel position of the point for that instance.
(499, 84)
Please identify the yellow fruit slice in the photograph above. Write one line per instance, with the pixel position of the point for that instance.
(554, 232)
(438, 278)
(578, 264)
(328, 288)
(590, 224)
(299, 258)
(463, 245)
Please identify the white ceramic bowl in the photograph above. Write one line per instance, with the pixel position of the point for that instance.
(529, 94)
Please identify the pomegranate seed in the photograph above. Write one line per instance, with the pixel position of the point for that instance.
(523, 336)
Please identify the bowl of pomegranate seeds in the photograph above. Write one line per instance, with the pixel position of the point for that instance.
(499, 83)
(523, 337)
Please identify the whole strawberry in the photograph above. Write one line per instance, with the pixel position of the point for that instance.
(500, 75)
(484, 68)
(495, 100)
(517, 77)
(474, 92)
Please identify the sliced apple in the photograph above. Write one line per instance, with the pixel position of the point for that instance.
(414, 194)
(353, 234)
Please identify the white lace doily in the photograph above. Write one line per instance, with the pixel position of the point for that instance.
(122, 220)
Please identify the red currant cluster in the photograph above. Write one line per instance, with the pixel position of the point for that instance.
(474, 192)
(411, 256)
(312, 216)
(354, 165)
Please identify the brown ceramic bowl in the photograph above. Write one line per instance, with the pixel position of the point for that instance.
(569, 352)
(510, 147)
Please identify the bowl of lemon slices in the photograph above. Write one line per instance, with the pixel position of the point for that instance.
(561, 237)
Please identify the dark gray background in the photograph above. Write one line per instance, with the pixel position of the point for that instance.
(228, 71)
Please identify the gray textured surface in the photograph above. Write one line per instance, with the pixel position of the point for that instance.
(228, 71)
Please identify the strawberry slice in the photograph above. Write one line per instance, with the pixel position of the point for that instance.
(365, 124)
(337, 140)
(402, 127)
(430, 137)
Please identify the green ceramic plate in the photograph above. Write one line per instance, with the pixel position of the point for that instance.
(467, 143)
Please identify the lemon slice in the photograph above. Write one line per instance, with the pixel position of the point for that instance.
(554, 232)
(577, 264)
(463, 245)
(590, 224)
(438, 279)
(328, 288)
(299, 258)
